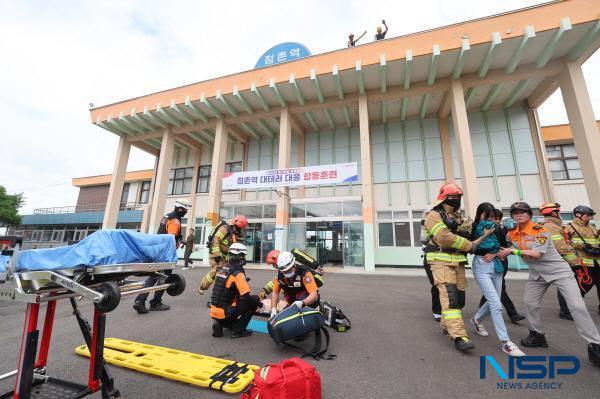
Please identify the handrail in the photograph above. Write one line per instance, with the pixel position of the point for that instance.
(129, 206)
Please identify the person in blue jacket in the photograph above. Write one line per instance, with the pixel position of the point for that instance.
(488, 271)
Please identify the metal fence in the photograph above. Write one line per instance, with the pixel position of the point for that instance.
(129, 206)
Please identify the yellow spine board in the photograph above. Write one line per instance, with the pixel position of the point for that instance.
(188, 367)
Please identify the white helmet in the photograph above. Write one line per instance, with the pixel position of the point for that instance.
(183, 203)
(238, 248)
(285, 261)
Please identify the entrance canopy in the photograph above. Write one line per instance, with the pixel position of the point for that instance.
(502, 60)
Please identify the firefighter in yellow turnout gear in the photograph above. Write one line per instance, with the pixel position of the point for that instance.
(554, 224)
(218, 244)
(445, 254)
(585, 241)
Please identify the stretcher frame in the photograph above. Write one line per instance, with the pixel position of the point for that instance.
(36, 287)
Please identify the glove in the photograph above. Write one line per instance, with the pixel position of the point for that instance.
(299, 304)
(273, 312)
(218, 259)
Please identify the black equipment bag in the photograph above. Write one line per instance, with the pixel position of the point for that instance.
(335, 318)
(293, 323)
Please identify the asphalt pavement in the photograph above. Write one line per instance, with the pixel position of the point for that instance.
(394, 349)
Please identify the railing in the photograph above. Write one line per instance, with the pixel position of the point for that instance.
(129, 206)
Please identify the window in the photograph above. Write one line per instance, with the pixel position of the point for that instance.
(563, 161)
(203, 179)
(204, 174)
(145, 192)
(57, 235)
(180, 181)
(386, 235)
(125, 194)
(399, 228)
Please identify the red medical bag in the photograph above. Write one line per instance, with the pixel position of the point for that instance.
(290, 379)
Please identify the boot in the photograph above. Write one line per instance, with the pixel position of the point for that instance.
(565, 315)
(159, 306)
(594, 354)
(241, 334)
(535, 340)
(463, 343)
(140, 307)
(217, 328)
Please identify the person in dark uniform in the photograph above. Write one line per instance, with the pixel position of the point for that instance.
(189, 248)
(232, 305)
(169, 224)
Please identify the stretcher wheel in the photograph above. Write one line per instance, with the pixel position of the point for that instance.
(112, 296)
(177, 284)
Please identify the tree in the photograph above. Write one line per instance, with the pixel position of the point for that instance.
(9, 206)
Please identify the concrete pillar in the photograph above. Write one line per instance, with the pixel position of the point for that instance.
(465, 149)
(216, 174)
(366, 183)
(191, 215)
(446, 148)
(159, 197)
(300, 193)
(282, 215)
(540, 154)
(111, 213)
(583, 125)
(148, 207)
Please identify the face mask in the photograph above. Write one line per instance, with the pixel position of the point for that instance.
(454, 203)
(181, 212)
(289, 274)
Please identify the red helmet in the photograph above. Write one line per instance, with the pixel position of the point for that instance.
(240, 221)
(449, 189)
(547, 209)
(272, 257)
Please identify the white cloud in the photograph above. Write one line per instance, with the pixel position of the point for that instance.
(58, 56)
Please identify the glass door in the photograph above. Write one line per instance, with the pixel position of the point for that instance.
(324, 242)
(268, 240)
(353, 244)
(253, 240)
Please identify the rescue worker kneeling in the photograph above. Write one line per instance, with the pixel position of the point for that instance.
(232, 306)
(300, 257)
(298, 284)
(445, 253)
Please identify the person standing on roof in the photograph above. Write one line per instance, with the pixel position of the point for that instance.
(351, 41)
(218, 244)
(547, 267)
(445, 254)
(381, 35)
(169, 224)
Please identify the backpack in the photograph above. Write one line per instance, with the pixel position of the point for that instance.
(291, 379)
(212, 234)
(335, 318)
(293, 323)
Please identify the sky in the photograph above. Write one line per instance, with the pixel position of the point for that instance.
(57, 57)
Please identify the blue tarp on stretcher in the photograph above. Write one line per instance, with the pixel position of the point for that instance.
(104, 247)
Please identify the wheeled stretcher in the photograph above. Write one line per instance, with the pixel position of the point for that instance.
(103, 284)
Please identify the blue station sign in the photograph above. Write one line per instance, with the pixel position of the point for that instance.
(282, 52)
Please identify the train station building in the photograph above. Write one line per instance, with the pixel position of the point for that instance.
(340, 153)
